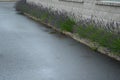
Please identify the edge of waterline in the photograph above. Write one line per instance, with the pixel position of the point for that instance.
(92, 45)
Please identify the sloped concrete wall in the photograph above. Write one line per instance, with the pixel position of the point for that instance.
(87, 8)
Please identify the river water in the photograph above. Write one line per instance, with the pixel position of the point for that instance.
(30, 51)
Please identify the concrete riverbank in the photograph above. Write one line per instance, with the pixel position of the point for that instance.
(97, 9)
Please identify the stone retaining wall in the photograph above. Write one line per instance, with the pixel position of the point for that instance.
(105, 10)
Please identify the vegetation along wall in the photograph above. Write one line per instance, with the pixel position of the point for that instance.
(93, 23)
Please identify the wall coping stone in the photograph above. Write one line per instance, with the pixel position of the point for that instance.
(73, 1)
(108, 3)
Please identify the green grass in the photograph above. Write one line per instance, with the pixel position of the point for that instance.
(104, 38)
(67, 25)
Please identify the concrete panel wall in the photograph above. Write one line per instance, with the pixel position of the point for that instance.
(89, 8)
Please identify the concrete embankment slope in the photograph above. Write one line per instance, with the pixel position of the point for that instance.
(101, 10)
